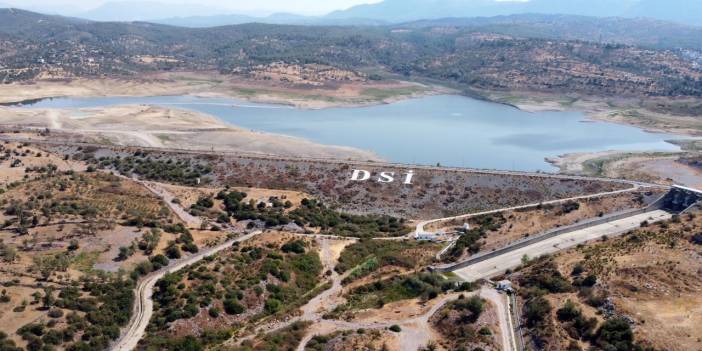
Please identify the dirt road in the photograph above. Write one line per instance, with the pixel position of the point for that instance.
(190, 220)
(143, 306)
(504, 317)
(416, 332)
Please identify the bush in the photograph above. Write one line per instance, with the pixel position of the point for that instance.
(485, 331)
(205, 202)
(232, 306)
(52, 337)
(615, 334)
(214, 312)
(74, 245)
(173, 251)
(55, 313)
(395, 328)
(577, 269)
(295, 246)
(159, 261)
(475, 305)
(536, 310)
(272, 306)
(568, 312)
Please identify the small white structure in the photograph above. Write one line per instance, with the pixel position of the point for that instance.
(466, 226)
(504, 285)
(426, 236)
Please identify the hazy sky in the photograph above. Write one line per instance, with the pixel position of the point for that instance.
(255, 6)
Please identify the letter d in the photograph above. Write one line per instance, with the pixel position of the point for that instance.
(360, 175)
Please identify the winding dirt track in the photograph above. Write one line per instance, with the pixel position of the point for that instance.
(190, 220)
(143, 306)
(416, 331)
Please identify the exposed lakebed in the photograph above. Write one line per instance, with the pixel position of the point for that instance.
(450, 130)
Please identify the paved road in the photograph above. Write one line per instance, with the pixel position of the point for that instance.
(497, 265)
(421, 225)
(143, 306)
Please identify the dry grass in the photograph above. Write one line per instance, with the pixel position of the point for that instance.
(652, 275)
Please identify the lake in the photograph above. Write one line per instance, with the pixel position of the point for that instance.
(450, 130)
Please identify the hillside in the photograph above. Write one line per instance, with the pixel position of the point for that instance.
(38, 46)
(639, 291)
(618, 30)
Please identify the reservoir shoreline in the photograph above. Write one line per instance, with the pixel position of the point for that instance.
(441, 129)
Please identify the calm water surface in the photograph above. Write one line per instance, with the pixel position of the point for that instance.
(451, 130)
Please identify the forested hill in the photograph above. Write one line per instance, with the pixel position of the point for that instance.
(637, 31)
(34, 45)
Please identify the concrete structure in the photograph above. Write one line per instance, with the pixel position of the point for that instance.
(679, 199)
(504, 285)
(426, 236)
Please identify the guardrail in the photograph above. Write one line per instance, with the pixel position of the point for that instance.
(540, 237)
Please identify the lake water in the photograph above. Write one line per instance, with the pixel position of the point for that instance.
(450, 130)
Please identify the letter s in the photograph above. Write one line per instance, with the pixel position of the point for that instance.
(386, 177)
(360, 175)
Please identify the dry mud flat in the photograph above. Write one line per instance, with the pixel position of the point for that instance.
(139, 125)
(329, 94)
(434, 192)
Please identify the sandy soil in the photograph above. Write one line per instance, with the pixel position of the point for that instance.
(683, 312)
(31, 157)
(338, 94)
(614, 110)
(575, 163)
(675, 172)
(10, 319)
(523, 223)
(656, 283)
(138, 125)
(651, 167)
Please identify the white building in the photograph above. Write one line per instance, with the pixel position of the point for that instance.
(426, 236)
(429, 236)
(504, 285)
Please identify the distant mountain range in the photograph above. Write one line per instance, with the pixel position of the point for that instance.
(145, 10)
(683, 11)
(396, 11)
(278, 18)
(400, 11)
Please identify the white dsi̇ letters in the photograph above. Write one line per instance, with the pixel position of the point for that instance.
(361, 175)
